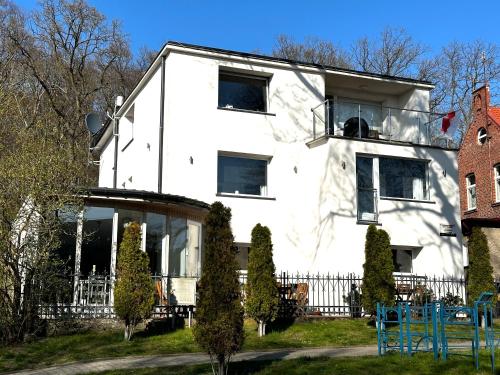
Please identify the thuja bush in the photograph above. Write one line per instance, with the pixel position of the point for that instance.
(378, 278)
(134, 289)
(262, 297)
(219, 314)
(480, 275)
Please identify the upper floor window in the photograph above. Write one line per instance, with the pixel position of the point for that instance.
(242, 175)
(242, 91)
(497, 182)
(471, 192)
(127, 127)
(482, 134)
(403, 178)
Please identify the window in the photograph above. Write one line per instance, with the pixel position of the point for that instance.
(96, 246)
(242, 92)
(155, 232)
(242, 256)
(497, 182)
(403, 178)
(127, 127)
(365, 192)
(402, 260)
(471, 192)
(238, 175)
(481, 136)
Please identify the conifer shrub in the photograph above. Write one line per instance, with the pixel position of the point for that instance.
(378, 278)
(134, 289)
(480, 275)
(262, 297)
(219, 313)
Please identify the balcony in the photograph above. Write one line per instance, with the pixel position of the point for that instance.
(343, 118)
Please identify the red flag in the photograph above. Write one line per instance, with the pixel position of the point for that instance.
(448, 123)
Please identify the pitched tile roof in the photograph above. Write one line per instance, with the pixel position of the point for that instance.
(494, 113)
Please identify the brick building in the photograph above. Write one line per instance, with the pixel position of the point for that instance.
(479, 173)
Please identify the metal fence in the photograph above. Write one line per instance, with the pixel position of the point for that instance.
(339, 295)
(308, 294)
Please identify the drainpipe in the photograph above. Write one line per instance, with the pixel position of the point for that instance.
(162, 120)
(116, 124)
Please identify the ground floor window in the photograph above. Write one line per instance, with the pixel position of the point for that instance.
(402, 260)
(96, 241)
(155, 234)
(243, 251)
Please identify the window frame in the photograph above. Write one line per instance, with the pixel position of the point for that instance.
(468, 190)
(130, 117)
(496, 181)
(481, 138)
(265, 158)
(265, 78)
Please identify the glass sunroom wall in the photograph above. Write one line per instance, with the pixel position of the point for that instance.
(97, 241)
(155, 242)
(66, 252)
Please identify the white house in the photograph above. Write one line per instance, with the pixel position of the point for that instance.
(314, 152)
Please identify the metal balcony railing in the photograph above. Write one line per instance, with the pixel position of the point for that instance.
(358, 120)
(367, 203)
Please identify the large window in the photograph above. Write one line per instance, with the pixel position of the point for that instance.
(155, 232)
(237, 175)
(96, 246)
(471, 191)
(403, 178)
(242, 92)
(185, 248)
(67, 247)
(497, 182)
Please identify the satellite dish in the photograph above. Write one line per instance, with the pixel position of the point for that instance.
(93, 123)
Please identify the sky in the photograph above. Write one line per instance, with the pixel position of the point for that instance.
(250, 26)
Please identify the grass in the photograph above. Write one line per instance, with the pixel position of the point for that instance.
(421, 364)
(109, 344)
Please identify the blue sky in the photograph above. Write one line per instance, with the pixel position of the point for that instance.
(254, 25)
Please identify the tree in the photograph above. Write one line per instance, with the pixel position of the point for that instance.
(37, 179)
(378, 279)
(312, 50)
(394, 53)
(262, 297)
(480, 274)
(219, 314)
(134, 289)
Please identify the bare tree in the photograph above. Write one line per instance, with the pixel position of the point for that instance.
(394, 53)
(312, 50)
(78, 60)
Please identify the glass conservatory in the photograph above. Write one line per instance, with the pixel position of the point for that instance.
(172, 228)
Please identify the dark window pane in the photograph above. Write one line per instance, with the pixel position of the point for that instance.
(402, 260)
(177, 229)
(65, 254)
(242, 92)
(241, 176)
(96, 246)
(400, 178)
(155, 231)
(242, 256)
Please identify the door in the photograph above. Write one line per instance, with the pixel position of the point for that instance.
(366, 194)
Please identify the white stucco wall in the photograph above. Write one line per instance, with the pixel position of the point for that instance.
(312, 213)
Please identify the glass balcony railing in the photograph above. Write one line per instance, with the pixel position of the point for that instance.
(358, 120)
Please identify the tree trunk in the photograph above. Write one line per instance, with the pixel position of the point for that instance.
(222, 364)
(262, 328)
(128, 332)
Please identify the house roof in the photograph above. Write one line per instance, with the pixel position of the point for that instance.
(143, 195)
(494, 113)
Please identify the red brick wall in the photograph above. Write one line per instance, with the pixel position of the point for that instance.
(480, 159)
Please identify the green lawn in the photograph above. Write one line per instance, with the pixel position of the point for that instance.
(107, 344)
(393, 364)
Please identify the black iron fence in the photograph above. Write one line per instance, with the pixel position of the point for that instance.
(301, 294)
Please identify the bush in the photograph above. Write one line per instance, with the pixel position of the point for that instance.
(134, 289)
(452, 301)
(378, 279)
(262, 297)
(219, 314)
(480, 275)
